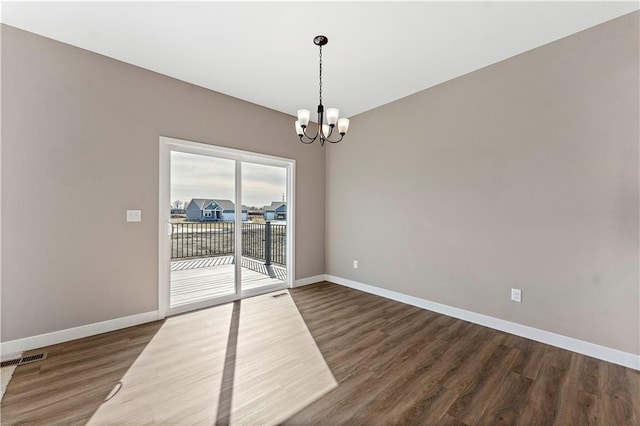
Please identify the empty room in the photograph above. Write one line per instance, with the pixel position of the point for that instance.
(333, 213)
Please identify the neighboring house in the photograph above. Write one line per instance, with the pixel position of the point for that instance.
(207, 210)
(276, 211)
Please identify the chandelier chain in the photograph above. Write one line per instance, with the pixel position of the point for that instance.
(320, 75)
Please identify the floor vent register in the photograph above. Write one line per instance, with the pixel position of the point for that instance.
(24, 360)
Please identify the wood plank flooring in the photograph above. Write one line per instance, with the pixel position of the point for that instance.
(355, 359)
(398, 364)
(248, 362)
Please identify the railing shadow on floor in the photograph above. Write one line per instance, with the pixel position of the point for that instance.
(273, 271)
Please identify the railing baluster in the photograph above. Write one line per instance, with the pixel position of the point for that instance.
(267, 243)
(260, 241)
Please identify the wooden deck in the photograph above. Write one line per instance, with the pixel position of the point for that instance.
(200, 279)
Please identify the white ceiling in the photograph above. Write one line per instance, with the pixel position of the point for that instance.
(263, 52)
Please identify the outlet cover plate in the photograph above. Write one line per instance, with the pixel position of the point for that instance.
(134, 215)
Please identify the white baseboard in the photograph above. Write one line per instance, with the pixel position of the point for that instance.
(42, 340)
(580, 346)
(586, 348)
(310, 280)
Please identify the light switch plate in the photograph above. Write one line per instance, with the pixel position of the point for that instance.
(516, 295)
(134, 215)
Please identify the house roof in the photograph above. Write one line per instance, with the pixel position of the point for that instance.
(200, 202)
(213, 205)
(274, 205)
(225, 204)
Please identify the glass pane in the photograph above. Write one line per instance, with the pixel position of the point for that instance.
(202, 228)
(264, 229)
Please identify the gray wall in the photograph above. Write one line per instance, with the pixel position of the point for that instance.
(80, 136)
(523, 174)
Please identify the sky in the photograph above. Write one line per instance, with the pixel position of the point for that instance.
(199, 176)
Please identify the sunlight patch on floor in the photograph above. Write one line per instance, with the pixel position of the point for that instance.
(252, 362)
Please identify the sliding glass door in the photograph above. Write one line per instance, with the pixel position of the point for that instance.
(225, 226)
(203, 258)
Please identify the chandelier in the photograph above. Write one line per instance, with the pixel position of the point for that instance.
(324, 131)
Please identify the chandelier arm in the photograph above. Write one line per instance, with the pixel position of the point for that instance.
(308, 142)
(330, 141)
(304, 130)
(309, 138)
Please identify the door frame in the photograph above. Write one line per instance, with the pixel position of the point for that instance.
(168, 144)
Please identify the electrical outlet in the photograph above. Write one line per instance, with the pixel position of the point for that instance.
(355, 264)
(134, 215)
(516, 295)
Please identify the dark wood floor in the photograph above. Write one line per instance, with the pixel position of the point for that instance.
(398, 364)
(394, 364)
